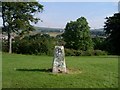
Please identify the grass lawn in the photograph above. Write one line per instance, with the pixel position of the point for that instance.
(28, 71)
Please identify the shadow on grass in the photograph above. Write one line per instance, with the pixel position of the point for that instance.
(35, 70)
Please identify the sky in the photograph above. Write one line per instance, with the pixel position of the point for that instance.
(57, 14)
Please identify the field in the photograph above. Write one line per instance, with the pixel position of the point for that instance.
(29, 71)
(54, 34)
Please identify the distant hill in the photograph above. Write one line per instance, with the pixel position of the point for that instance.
(45, 29)
(99, 29)
(51, 31)
(57, 31)
(97, 32)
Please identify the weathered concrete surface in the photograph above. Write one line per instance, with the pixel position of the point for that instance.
(59, 65)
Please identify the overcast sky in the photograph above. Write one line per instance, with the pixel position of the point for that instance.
(57, 14)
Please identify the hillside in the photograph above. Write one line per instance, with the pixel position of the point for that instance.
(45, 29)
(57, 31)
(97, 32)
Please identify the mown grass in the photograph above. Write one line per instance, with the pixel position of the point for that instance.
(28, 71)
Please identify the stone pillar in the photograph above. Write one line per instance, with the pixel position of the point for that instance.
(59, 65)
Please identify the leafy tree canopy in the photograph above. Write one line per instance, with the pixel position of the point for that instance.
(17, 18)
(112, 30)
(77, 35)
(19, 15)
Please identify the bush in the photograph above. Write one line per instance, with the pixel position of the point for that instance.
(87, 53)
(99, 52)
(71, 52)
(44, 45)
(34, 44)
(78, 53)
(4, 46)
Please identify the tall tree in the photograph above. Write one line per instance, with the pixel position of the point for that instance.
(77, 35)
(112, 30)
(17, 17)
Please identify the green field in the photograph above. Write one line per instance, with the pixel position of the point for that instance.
(29, 71)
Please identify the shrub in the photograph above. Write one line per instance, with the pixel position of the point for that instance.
(34, 44)
(4, 46)
(78, 52)
(71, 52)
(87, 53)
(99, 52)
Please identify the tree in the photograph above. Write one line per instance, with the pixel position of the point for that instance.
(112, 30)
(99, 43)
(77, 35)
(17, 18)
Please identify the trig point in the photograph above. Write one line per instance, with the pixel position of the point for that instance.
(59, 65)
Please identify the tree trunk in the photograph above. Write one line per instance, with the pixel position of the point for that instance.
(10, 43)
